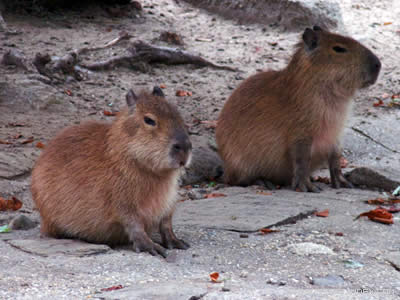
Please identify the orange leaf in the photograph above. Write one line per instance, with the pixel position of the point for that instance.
(182, 93)
(163, 86)
(387, 23)
(113, 288)
(210, 124)
(214, 276)
(68, 92)
(343, 162)
(378, 215)
(3, 204)
(323, 213)
(264, 193)
(17, 204)
(5, 142)
(40, 145)
(379, 103)
(109, 113)
(264, 231)
(30, 140)
(214, 195)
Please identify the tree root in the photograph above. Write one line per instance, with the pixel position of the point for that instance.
(58, 69)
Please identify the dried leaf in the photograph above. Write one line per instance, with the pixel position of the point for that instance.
(264, 231)
(381, 201)
(3, 204)
(5, 142)
(210, 124)
(163, 86)
(11, 204)
(182, 93)
(30, 140)
(113, 288)
(17, 204)
(68, 92)
(214, 276)
(17, 136)
(343, 162)
(264, 193)
(379, 103)
(323, 213)
(393, 209)
(214, 195)
(109, 113)
(40, 145)
(380, 215)
(325, 180)
(339, 233)
(387, 23)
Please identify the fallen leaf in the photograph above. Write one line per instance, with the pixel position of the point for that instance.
(5, 142)
(343, 162)
(381, 201)
(339, 233)
(182, 93)
(393, 209)
(68, 92)
(395, 96)
(387, 23)
(30, 140)
(323, 213)
(214, 195)
(264, 193)
(379, 103)
(40, 145)
(109, 113)
(264, 231)
(113, 288)
(11, 204)
(380, 215)
(14, 124)
(17, 136)
(163, 86)
(325, 180)
(210, 124)
(214, 276)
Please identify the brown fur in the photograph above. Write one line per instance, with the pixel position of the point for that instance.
(104, 182)
(282, 125)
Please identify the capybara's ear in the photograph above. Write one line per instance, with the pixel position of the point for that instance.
(158, 92)
(310, 38)
(131, 99)
(317, 28)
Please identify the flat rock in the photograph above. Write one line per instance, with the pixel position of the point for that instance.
(243, 212)
(290, 14)
(50, 247)
(170, 290)
(310, 248)
(17, 163)
(328, 281)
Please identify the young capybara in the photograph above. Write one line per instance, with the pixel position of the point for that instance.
(279, 126)
(113, 183)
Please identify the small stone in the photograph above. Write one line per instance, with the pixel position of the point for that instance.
(244, 235)
(196, 194)
(309, 248)
(225, 289)
(328, 281)
(244, 274)
(22, 222)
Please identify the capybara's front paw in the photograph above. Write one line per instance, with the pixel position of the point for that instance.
(175, 243)
(144, 245)
(304, 185)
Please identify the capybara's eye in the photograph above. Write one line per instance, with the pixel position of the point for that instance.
(149, 121)
(339, 49)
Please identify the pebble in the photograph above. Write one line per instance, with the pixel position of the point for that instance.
(328, 281)
(22, 222)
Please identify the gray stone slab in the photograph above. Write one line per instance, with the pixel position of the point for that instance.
(50, 247)
(170, 290)
(16, 164)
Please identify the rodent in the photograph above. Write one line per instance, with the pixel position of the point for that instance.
(279, 126)
(115, 183)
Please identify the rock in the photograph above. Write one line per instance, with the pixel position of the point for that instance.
(34, 95)
(329, 281)
(310, 249)
(371, 179)
(170, 290)
(49, 247)
(206, 164)
(22, 222)
(195, 194)
(292, 15)
(20, 162)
